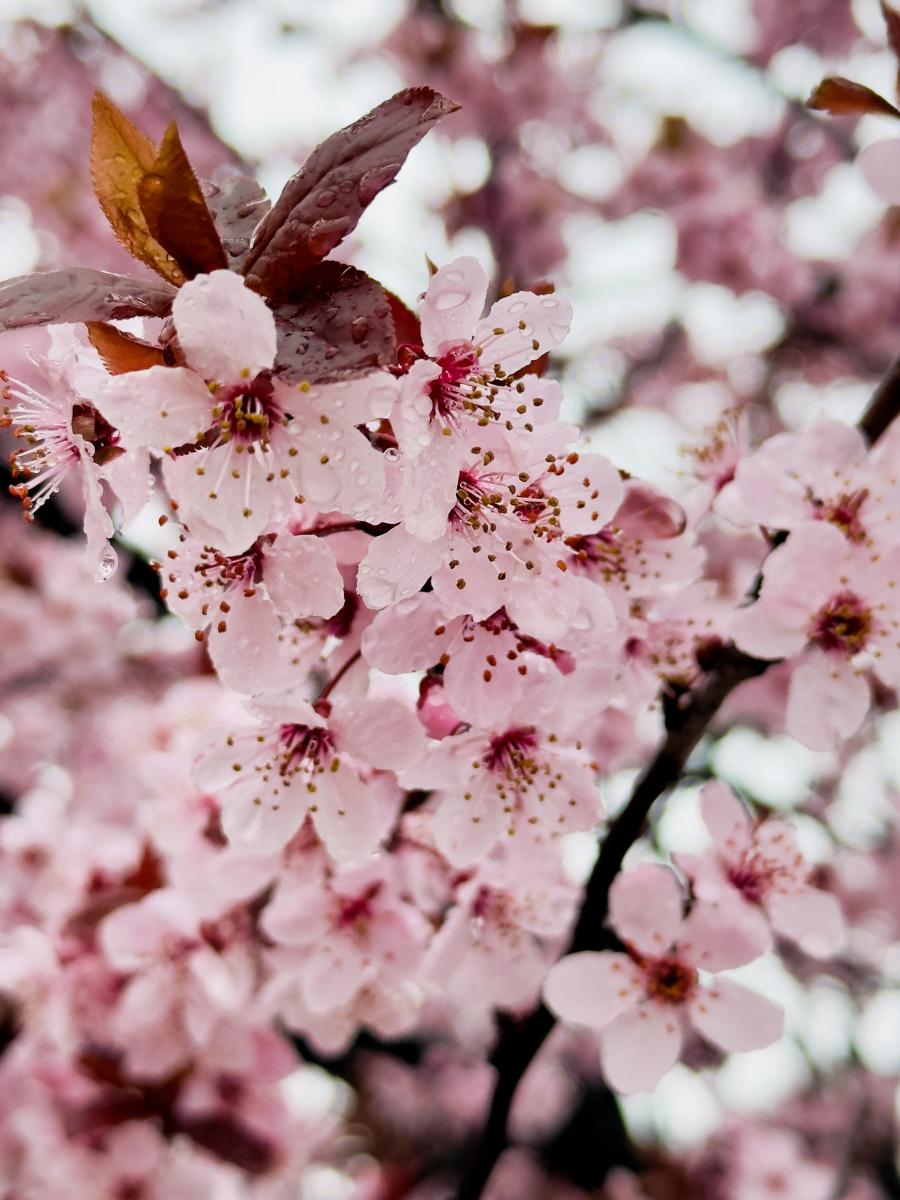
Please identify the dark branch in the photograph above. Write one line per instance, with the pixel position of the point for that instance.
(884, 405)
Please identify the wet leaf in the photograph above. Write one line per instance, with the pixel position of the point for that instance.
(237, 209)
(323, 202)
(176, 211)
(120, 157)
(336, 325)
(844, 98)
(79, 294)
(122, 352)
(407, 329)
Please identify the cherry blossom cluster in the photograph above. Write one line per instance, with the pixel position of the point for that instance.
(421, 627)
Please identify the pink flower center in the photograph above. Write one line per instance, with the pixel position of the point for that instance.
(668, 980)
(456, 388)
(511, 752)
(304, 747)
(235, 570)
(355, 914)
(843, 625)
(749, 880)
(246, 413)
(844, 513)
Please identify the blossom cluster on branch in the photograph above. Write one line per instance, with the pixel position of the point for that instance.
(429, 616)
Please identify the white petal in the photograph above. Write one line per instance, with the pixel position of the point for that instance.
(640, 1046)
(592, 989)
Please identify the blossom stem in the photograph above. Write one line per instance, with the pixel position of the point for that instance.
(335, 680)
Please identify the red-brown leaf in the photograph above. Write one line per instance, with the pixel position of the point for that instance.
(80, 294)
(237, 209)
(844, 98)
(176, 211)
(325, 199)
(122, 352)
(336, 325)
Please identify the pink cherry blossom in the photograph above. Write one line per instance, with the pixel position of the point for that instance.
(241, 600)
(837, 603)
(467, 382)
(761, 862)
(639, 1000)
(296, 761)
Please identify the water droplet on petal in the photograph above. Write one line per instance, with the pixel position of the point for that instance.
(107, 563)
(453, 276)
(448, 300)
(549, 302)
(424, 438)
(518, 306)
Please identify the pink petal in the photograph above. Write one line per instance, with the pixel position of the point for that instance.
(639, 1047)
(346, 814)
(396, 566)
(302, 577)
(592, 989)
(809, 917)
(827, 701)
(734, 1018)
(161, 407)
(333, 974)
(383, 733)
(227, 332)
(645, 907)
(428, 488)
(246, 653)
(467, 824)
(453, 303)
(255, 822)
(799, 576)
(526, 319)
(726, 819)
(226, 511)
(402, 638)
(720, 936)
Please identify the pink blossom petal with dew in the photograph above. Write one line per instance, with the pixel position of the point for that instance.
(880, 166)
(468, 823)
(809, 917)
(226, 331)
(717, 937)
(645, 907)
(396, 566)
(402, 638)
(827, 701)
(383, 732)
(726, 819)
(640, 1046)
(257, 820)
(412, 418)
(215, 753)
(224, 497)
(452, 304)
(243, 643)
(428, 488)
(162, 407)
(734, 1018)
(592, 988)
(302, 577)
(531, 325)
(346, 813)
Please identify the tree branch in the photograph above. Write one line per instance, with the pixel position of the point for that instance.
(884, 405)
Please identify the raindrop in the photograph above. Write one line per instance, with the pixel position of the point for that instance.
(424, 438)
(454, 276)
(559, 331)
(549, 302)
(450, 300)
(518, 306)
(107, 564)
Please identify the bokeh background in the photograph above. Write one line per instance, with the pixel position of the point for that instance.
(721, 248)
